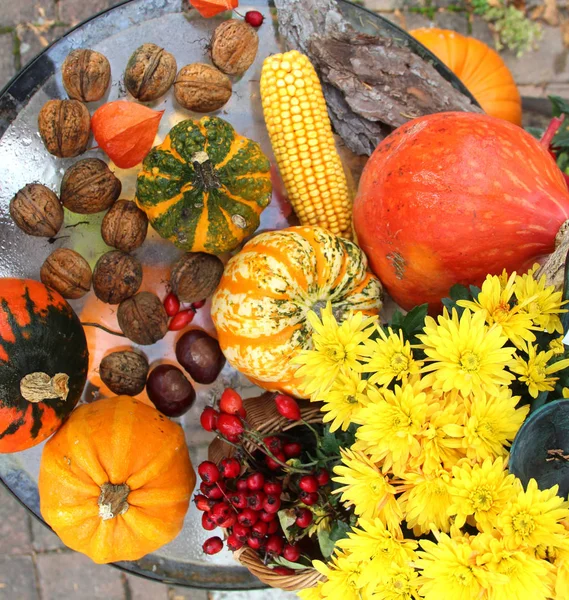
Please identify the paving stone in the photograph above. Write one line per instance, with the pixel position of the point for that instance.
(182, 593)
(7, 68)
(557, 89)
(144, 589)
(413, 20)
(268, 594)
(74, 576)
(18, 578)
(532, 90)
(33, 42)
(22, 11)
(15, 535)
(457, 21)
(75, 11)
(43, 538)
(481, 31)
(383, 5)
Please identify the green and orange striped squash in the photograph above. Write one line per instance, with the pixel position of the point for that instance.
(43, 362)
(260, 306)
(205, 186)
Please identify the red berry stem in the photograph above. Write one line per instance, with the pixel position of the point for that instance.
(264, 448)
(226, 497)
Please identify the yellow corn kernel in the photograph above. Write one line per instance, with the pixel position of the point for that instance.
(301, 135)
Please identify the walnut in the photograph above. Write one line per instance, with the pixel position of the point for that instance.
(143, 319)
(150, 72)
(202, 88)
(36, 210)
(67, 272)
(125, 226)
(234, 46)
(117, 276)
(64, 126)
(195, 276)
(86, 75)
(124, 372)
(89, 186)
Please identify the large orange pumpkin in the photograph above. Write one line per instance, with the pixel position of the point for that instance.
(450, 197)
(480, 68)
(115, 481)
(259, 308)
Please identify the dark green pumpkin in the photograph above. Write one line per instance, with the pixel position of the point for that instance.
(43, 362)
(205, 186)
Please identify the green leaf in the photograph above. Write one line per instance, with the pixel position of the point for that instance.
(287, 519)
(459, 292)
(536, 132)
(561, 138)
(326, 544)
(279, 560)
(339, 530)
(563, 160)
(474, 290)
(397, 319)
(415, 319)
(559, 105)
(329, 443)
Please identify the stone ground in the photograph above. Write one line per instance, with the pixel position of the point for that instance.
(34, 565)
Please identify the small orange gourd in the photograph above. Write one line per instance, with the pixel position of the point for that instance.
(480, 68)
(115, 481)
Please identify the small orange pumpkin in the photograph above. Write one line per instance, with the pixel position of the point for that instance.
(115, 481)
(480, 68)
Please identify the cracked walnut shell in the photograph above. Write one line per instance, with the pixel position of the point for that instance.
(202, 88)
(234, 46)
(64, 127)
(150, 72)
(36, 210)
(86, 75)
(67, 272)
(143, 319)
(125, 226)
(117, 276)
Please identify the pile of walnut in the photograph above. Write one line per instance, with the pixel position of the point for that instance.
(90, 187)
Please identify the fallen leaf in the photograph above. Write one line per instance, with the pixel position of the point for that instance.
(551, 13)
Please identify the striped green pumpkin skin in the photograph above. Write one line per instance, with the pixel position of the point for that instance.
(205, 187)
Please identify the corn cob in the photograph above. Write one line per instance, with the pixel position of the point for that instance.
(301, 136)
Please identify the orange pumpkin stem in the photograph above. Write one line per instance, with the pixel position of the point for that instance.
(37, 387)
(112, 500)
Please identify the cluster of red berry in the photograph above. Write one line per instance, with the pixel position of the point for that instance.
(179, 318)
(244, 496)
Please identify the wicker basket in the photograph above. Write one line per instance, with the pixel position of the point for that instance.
(263, 416)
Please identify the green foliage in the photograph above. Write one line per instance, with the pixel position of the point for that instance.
(410, 324)
(331, 443)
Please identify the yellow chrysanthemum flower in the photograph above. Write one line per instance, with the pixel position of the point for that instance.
(372, 542)
(313, 593)
(343, 577)
(491, 424)
(561, 575)
(536, 372)
(366, 489)
(337, 347)
(557, 346)
(533, 518)
(426, 501)
(389, 357)
(481, 491)
(565, 392)
(438, 447)
(495, 300)
(542, 304)
(391, 425)
(449, 570)
(514, 574)
(344, 400)
(397, 583)
(465, 354)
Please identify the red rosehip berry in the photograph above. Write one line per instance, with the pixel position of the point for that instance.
(241, 532)
(198, 304)
(242, 485)
(272, 504)
(171, 304)
(273, 464)
(220, 512)
(213, 491)
(287, 407)
(255, 500)
(259, 529)
(292, 449)
(291, 552)
(308, 498)
(229, 468)
(275, 545)
(182, 319)
(254, 542)
(254, 18)
(207, 523)
(231, 403)
(273, 443)
(208, 471)
(213, 545)
(323, 477)
(273, 526)
(283, 571)
(308, 483)
(267, 517)
(230, 426)
(303, 518)
(255, 481)
(229, 522)
(238, 499)
(202, 503)
(234, 543)
(248, 517)
(208, 418)
(274, 488)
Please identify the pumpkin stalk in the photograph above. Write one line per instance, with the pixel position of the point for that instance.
(205, 172)
(37, 387)
(112, 500)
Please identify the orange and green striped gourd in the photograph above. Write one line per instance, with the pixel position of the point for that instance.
(204, 187)
(260, 306)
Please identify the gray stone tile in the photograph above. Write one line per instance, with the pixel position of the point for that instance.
(557, 89)
(75, 11)
(43, 538)
(383, 5)
(457, 21)
(481, 31)
(72, 575)
(15, 535)
(268, 594)
(18, 578)
(144, 589)
(181, 593)
(7, 68)
(22, 11)
(32, 42)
